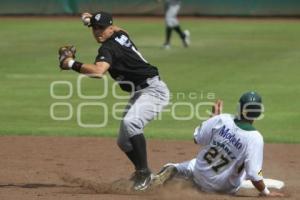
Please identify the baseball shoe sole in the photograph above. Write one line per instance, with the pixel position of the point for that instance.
(165, 174)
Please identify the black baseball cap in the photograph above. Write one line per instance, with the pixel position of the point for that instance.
(101, 20)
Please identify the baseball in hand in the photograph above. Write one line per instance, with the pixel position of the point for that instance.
(86, 18)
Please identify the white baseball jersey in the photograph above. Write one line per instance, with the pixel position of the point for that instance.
(231, 153)
(172, 8)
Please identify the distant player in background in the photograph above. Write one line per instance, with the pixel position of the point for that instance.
(232, 152)
(171, 9)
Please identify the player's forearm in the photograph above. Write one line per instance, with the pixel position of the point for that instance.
(92, 70)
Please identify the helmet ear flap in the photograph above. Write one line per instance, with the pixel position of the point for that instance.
(242, 111)
(251, 110)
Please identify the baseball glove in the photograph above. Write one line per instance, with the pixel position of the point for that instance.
(64, 53)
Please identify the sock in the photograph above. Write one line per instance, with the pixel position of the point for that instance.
(139, 147)
(168, 34)
(133, 158)
(179, 31)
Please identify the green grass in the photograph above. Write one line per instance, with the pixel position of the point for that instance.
(227, 58)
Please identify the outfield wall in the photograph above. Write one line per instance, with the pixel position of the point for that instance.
(151, 7)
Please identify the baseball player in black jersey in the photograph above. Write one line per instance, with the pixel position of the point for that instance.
(119, 56)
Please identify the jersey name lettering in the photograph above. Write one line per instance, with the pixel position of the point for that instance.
(231, 137)
(123, 40)
(225, 147)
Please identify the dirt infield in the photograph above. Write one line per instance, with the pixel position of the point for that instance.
(86, 168)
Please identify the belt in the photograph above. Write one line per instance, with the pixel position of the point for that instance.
(144, 84)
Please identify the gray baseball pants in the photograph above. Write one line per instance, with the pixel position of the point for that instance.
(143, 106)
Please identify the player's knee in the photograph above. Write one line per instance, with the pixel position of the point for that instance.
(121, 145)
(132, 126)
(124, 145)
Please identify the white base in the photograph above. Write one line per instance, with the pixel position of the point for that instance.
(270, 183)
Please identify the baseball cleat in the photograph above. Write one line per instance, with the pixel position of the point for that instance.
(143, 179)
(186, 40)
(166, 47)
(165, 174)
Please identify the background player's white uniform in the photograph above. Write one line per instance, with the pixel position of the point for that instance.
(230, 155)
(172, 8)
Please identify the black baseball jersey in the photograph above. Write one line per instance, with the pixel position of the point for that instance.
(127, 65)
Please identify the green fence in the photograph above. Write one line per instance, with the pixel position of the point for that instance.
(151, 7)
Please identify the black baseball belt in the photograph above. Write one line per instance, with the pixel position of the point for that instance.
(144, 84)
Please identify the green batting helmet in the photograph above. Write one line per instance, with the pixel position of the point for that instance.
(250, 105)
